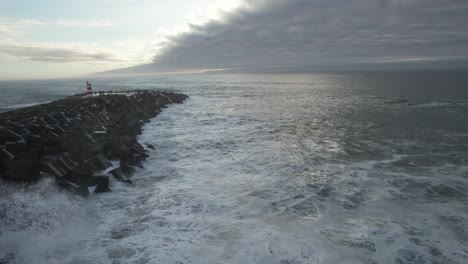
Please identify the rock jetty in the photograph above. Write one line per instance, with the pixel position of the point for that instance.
(75, 138)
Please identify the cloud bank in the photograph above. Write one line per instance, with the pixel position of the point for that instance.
(53, 53)
(78, 23)
(296, 33)
(14, 27)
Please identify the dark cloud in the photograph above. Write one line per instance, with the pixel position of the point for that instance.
(282, 33)
(55, 54)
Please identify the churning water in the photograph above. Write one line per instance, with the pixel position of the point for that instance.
(310, 168)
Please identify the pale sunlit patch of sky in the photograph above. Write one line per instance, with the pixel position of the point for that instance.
(56, 39)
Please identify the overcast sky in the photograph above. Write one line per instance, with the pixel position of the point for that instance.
(53, 38)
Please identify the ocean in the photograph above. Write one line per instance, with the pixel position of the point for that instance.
(348, 167)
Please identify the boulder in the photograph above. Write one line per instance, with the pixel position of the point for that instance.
(52, 150)
(51, 169)
(102, 189)
(76, 189)
(118, 174)
(82, 169)
(50, 120)
(34, 152)
(10, 135)
(5, 154)
(99, 162)
(65, 163)
(17, 146)
(21, 170)
(75, 140)
(150, 146)
(99, 179)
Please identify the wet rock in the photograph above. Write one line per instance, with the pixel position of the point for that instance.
(21, 170)
(76, 140)
(126, 168)
(10, 135)
(17, 146)
(5, 154)
(102, 188)
(51, 169)
(34, 152)
(99, 179)
(99, 162)
(150, 146)
(118, 174)
(128, 182)
(82, 169)
(64, 163)
(76, 189)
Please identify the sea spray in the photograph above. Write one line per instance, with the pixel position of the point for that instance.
(40, 222)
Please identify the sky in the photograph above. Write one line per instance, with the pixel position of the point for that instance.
(56, 39)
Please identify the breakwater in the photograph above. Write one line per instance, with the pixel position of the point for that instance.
(75, 138)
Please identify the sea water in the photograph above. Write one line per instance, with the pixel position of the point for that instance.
(274, 168)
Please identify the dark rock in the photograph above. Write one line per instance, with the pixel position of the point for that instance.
(75, 139)
(79, 190)
(99, 179)
(99, 162)
(150, 146)
(34, 152)
(34, 129)
(68, 158)
(117, 173)
(82, 169)
(138, 148)
(102, 188)
(128, 181)
(50, 120)
(5, 155)
(64, 163)
(21, 170)
(10, 135)
(16, 147)
(51, 169)
(58, 129)
(126, 168)
(52, 150)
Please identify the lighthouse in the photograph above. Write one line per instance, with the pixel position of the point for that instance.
(89, 88)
